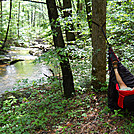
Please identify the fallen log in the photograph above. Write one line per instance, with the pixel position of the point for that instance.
(15, 61)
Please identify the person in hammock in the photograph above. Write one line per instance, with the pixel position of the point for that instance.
(122, 85)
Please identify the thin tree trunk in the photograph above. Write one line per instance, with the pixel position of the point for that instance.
(33, 1)
(68, 84)
(31, 15)
(69, 34)
(1, 19)
(4, 44)
(98, 43)
(28, 17)
(89, 16)
(34, 16)
(42, 8)
(39, 23)
(18, 19)
(59, 3)
(23, 10)
(78, 23)
(73, 5)
(78, 6)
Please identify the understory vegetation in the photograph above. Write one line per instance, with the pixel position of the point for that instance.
(36, 108)
(44, 109)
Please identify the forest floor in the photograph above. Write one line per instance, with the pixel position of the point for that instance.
(95, 118)
(46, 111)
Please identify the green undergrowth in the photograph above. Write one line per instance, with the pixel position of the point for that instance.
(47, 110)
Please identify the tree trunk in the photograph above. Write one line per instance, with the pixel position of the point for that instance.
(79, 14)
(67, 14)
(19, 20)
(28, 17)
(31, 15)
(34, 16)
(78, 11)
(1, 19)
(89, 16)
(43, 16)
(4, 44)
(68, 84)
(22, 21)
(98, 43)
(59, 3)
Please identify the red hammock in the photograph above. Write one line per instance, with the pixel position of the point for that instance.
(119, 98)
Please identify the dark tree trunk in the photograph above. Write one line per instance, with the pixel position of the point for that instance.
(34, 16)
(10, 13)
(1, 19)
(18, 20)
(79, 10)
(98, 43)
(59, 3)
(68, 84)
(28, 17)
(67, 14)
(89, 16)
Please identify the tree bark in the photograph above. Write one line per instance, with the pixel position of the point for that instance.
(98, 43)
(68, 84)
(19, 20)
(89, 16)
(78, 11)
(23, 10)
(69, 34)
(31, 15)
(1, 19)
(10, 13)
(28, 17)
(34, 16)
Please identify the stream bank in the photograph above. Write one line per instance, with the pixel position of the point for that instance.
(21, 70)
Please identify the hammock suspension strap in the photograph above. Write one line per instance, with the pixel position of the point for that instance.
(102, 31)
(109, 45)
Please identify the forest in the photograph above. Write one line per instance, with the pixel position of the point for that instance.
(56, 68)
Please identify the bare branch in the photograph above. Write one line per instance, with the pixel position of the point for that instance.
(35, 1)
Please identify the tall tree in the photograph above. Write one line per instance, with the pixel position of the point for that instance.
(1, 18)
(89, 16)
(78, 11)
(98, 43)
(4, 44)
(18, 20)
(68, 84)
(68, 14)
(34, 16)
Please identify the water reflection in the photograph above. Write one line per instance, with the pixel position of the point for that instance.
(21, 70)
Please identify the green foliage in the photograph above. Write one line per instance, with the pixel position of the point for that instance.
(120, 30)
(44, 107)
(29, 20)
(47, 110)
(117, 113)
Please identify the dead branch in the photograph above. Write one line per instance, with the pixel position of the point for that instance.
(35, 1)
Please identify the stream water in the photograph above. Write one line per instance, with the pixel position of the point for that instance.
(9, 75)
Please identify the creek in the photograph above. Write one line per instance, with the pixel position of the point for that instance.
(10, 74)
